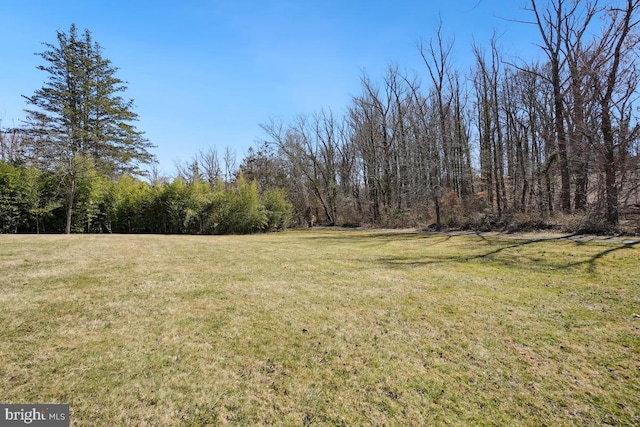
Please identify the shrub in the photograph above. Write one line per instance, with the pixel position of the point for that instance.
(522, 222)
(238, 210)
(591, 223)
(278, 210)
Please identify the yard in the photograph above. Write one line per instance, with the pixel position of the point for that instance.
(323, 327)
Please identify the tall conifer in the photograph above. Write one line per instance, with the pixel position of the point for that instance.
(79, 120)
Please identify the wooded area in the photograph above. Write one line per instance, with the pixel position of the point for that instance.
(444, 147)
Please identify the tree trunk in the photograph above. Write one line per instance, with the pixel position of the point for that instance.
(611, 188)
(606, 124)
(551, 28)
(71, 192)
(565, 180)
(438, 219)
(582, 184)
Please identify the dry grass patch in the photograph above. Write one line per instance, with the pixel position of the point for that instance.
(321, 328)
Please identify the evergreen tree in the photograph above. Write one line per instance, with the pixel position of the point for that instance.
(79, 121)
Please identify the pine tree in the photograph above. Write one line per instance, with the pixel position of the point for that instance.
(79, 121)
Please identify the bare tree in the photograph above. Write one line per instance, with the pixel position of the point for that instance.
(451, 133)
(436, 57)
(230, 164)
(311, 146)
(189, 170)
(154, 176)
(581, 130)
(423, 121)
(366, 133)
(210, 165)
(487, 82)
(13, 145)
(616, 80)
(551, 23)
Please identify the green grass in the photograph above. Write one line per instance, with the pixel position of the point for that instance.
(321, 328)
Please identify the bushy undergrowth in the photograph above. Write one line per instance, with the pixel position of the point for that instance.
(199, 208)
(277, 209)
(516, 223)
(587, 224)
(521, 223)
(30, 201)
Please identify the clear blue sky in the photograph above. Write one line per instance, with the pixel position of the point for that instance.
(206, 73)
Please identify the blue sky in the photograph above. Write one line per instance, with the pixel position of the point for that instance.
(206, 73)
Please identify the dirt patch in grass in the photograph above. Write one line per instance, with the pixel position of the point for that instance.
(322, 327)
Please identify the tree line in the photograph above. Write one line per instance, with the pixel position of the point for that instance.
(440, 146)
(76, 165)
(31, 202)
(505, 138)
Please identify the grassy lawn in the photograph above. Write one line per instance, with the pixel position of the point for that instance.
(321, 328)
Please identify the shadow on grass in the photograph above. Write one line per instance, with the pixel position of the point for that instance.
(432, 239)
(522, 243)
(378, 237)
(591, 262)
(350, 235)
